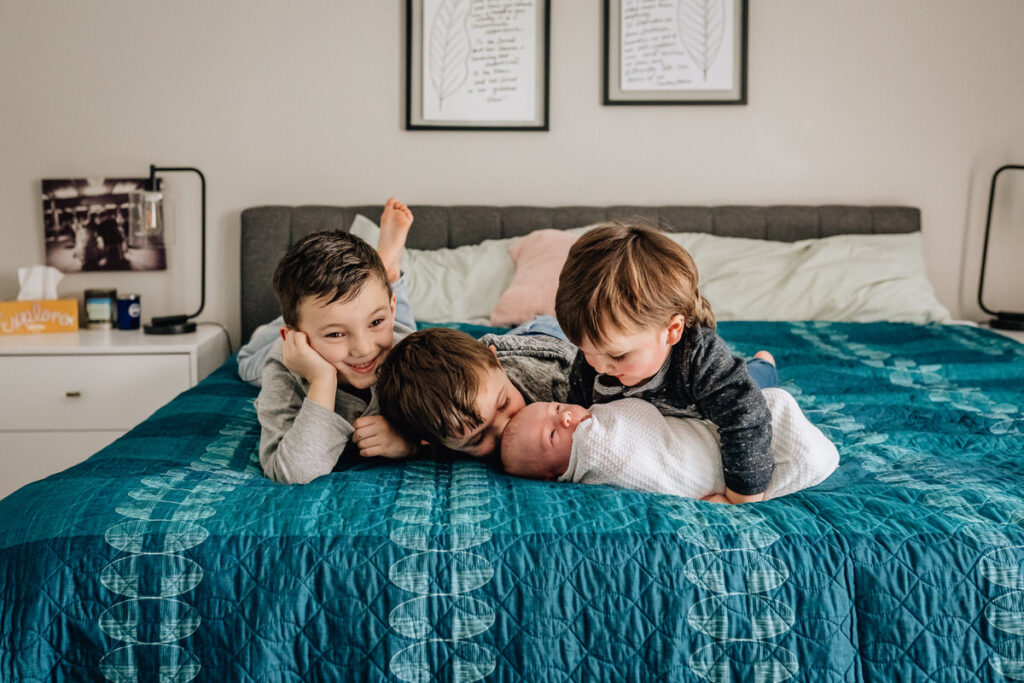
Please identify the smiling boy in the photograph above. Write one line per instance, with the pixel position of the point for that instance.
(317, 383)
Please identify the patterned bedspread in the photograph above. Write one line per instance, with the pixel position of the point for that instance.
(168, 556)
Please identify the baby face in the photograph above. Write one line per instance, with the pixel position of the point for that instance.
(537, 442)
(631, 357)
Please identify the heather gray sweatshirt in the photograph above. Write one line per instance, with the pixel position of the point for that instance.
(538, 365)
(300, 439)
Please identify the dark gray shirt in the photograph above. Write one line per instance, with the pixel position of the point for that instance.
(701, 378)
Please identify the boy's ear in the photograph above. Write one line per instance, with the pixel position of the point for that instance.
(394, 298)
(676, 326)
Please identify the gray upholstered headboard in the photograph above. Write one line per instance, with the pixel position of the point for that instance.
(268, 231)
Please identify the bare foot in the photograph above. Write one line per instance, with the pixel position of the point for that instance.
(765, 356)
(395, 222)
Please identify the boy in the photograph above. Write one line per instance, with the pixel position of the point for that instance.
(628, 443)
(444, 387)
(317, 381)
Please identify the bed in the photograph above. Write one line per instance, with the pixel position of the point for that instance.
(168, 556)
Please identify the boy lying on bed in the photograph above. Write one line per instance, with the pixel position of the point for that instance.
(628, 443)
(444, 387)
(318, 363)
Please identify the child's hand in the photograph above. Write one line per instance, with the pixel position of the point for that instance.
(395, 222)
(303, 360)
(375, 437)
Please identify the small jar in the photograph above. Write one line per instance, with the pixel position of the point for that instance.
(129, 311)
(100, 305)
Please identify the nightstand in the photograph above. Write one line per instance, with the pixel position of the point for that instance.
(64, 396)
(1012, 334)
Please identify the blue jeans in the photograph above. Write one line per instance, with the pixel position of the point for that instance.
(763, 373)
(541, 324)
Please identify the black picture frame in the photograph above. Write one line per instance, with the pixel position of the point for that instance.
(416, 116)
(736, 29)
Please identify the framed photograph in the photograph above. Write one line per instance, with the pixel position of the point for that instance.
(86, 226)
(477, 65)
(675, 51)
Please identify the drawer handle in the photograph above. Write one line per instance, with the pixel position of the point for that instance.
(73, 394)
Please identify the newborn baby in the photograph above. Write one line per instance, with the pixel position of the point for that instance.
(628, 443)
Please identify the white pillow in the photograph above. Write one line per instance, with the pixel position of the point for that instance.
(451, 285)
(853, 278)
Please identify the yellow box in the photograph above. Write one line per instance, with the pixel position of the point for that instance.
(38, 315)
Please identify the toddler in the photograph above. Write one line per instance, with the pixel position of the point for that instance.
(628, 443)
(628, 298)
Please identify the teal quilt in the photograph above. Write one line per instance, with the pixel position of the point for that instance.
(168, 556)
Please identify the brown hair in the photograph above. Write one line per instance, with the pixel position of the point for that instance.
(427, 386)
(627, 276)
(331, 264)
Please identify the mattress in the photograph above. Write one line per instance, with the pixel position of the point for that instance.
(168, 556)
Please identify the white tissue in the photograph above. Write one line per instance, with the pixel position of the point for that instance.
(38, 282)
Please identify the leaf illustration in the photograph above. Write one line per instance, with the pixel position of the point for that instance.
(449, 48)
(702, 30)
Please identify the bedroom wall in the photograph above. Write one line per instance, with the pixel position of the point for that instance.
(861, 101)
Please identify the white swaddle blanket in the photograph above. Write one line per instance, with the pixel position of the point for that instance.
(628, 443)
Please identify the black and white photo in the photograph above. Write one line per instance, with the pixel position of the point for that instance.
(86, 225)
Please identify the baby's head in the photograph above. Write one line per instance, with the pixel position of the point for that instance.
(537, 442)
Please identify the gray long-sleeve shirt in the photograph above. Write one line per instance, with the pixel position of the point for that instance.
(300, 439)
(701, 378)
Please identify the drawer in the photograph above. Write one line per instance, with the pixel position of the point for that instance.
(28, 456)
(87, 392)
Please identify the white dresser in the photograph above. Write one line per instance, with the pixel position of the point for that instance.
(65, 396)
(1012, 334)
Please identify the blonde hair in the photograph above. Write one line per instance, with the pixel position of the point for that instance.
(627, 277)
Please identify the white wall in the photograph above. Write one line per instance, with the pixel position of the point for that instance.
(858, 101)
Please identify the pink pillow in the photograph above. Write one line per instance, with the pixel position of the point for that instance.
(539, 258)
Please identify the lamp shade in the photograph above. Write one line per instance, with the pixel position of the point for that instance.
(146, 225)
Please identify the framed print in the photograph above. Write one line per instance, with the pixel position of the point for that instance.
(675, 51)
(473, 65)
(86, 226)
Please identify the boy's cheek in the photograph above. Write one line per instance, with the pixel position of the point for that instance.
(326, 353)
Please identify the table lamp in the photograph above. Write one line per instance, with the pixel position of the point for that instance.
(148, 214)
(1003, 320)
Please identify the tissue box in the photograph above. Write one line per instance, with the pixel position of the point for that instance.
(40, 315)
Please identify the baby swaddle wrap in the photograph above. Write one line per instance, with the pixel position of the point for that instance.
(628, 443)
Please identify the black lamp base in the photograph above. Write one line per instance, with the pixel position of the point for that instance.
(1007, 323)
(171, 324)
